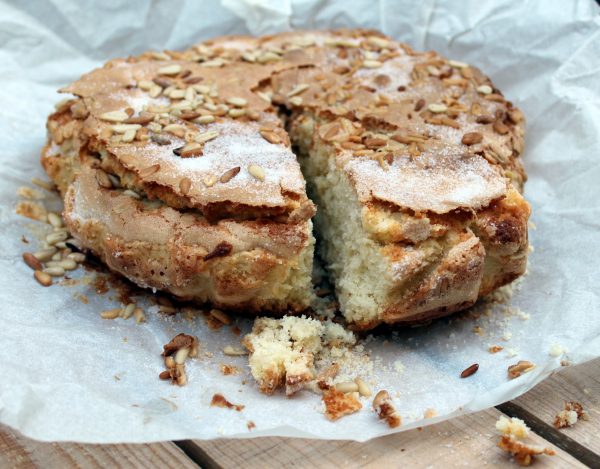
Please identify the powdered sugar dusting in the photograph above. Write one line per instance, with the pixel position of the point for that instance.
(238, 144)
(438, 181)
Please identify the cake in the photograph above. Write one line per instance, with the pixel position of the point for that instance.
(185, 172)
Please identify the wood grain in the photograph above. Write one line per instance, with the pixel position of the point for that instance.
(540, 405)
(19, 452)
(468, 441)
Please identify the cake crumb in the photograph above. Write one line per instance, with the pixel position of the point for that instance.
(218, 400)
(383, 405)
(519, 368)
(522, 452)
(572, 413)
(283, 352)
(338, 404)
(513, 429)
(556, 350)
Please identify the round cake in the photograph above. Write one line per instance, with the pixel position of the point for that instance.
(198, 172)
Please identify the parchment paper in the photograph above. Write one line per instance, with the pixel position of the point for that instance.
(67, 374)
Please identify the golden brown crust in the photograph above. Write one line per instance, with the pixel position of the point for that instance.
(432, 150)
(168, 250)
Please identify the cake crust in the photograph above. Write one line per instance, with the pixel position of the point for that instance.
(428, 151)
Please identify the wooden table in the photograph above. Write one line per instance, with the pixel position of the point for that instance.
(465, 441)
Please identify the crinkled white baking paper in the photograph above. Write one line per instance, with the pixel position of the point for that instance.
(67, 374)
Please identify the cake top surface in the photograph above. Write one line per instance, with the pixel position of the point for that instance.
(202, 127)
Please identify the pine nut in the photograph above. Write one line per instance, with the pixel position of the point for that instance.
(56, 237)
(138, 314)
(68, 264)
(55, 220)
(347, 387)
(54, 271)
(110, 313)
(32, 261)
(220, 316)
(181, 355)
(45, 254)
(127, 311)
(363, 388)
(234, 351)
(43, 278)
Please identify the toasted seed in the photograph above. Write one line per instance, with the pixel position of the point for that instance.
(49, 186)
(43, 278)
(102, 179)
(229, 174)
(170, 69)
(167, 309)
(522, 366)
(457, 64)
(128, 136)
(257, 172)
(127, 311)
(164, 375)
(205, 119)
(45, 254)
(206, 136)
(221, 316)
(138, 314)
(132, 194)
(270, 137)
(375, 142)
(149, 171)
(469, 371)
(500, 127)
(296, 101)
(114, 116)
(238, 102)
(236, 112)
(32, 261)
(160, 139)
(111, 313)
(142, 119)
(169, 361)
(372, 64)
(77, 256)
(363, 388)
(380, 398)
(300, 88)
(347, 387)
(484, 119)
(68, 264)
(185, 185)
(181, 355)
(56, 237)
(57, 256)
(234, 351)
(264, 96)
(189, 150)
(484, 89)
(54, 271)
(437, 108)
(55, 220)
(122, 128)
(472, 138)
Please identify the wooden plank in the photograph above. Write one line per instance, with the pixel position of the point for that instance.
(20, 452)
(465, 441)
(540, 405)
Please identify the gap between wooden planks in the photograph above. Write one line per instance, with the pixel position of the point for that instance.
(465, 441)
(468, 441)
